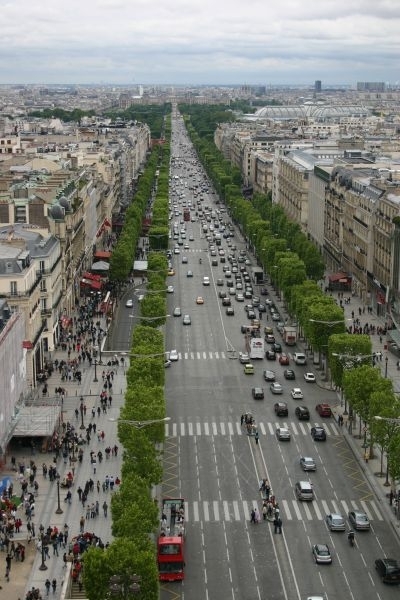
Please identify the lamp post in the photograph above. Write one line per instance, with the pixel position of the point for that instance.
(82, 410)
(43, 566)
(141, 424)
(95, 380)
(120, 586)
(59, 510)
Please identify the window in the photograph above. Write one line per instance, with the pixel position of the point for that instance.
(13, 288)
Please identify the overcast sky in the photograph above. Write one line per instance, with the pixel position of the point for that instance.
(199, 42)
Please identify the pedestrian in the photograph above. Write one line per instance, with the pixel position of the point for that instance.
(47, 585)
(82, 524)
(241, 419)
(279, 524)
(253, 516)
(256, 437)
(276, 525)
(264, 511)
(65, 560)
(105, 508)
(54, 585)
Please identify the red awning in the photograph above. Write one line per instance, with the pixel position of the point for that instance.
(95, 285)
(91, 276)
(27, 344)
(105, 225)
(102, 254)
(342, 277)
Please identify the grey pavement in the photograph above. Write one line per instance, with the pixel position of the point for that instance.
(26, 575)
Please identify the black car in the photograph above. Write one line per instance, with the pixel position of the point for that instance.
(318, 434)
(251, 314)
(276, 347)
(269, 375)
(264, 291)
(388, 570)
(270, 355)
(289, 374)
(258, 393)
(281, 409)
(226, 301)
(230, 311)
(302, 413)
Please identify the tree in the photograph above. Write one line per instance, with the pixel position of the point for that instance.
(347, 351)
(387, 406)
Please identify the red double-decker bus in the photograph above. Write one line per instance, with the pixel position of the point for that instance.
(171, 540)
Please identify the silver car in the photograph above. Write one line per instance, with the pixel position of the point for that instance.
(335, 522)
(359, 520)
(276, 388)
(307, 463)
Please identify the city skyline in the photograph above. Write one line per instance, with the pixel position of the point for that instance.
(185, 43)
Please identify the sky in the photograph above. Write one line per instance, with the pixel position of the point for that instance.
(193, 42)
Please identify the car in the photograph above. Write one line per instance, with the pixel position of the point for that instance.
(276, 388)
(269, 375)
(173, 355)
(222, 294)
(257, 393)
(297, 394)
(264, 291)
(244, 358)
(270, 355)
(276, 348)
(171, 272)
(318, 434)
(226, 301)
(206, 281)
(167, 363)
(302, 413)
(283, 359)
(186, 246)
(239, 297)
(220, 282)
(283, 434)
(199, 300)
(177, 251)
(184, 260)
(276, 317)
(189, 274)
(281, 409)
(170, 289)
(309, 377)
(307, 463)
(248, 369)
(177, 311)
(359, 520)
(251, 315)
(289, 374)
(270, 339)
(324, 410)
(388, 570)
(230, 311)
(129, 303)
(300, 358)
(186, 320)
(335, 522)
(321, 554)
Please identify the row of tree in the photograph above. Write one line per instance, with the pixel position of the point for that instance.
(295, 266)
(135, 513)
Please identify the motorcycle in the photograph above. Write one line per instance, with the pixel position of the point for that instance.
(200, 261)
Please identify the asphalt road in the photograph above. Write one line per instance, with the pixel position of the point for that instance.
(216, 467)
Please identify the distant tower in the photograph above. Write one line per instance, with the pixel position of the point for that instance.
(317, 86)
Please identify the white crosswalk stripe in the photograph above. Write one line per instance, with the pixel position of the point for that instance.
(233, 428)
(291, 510)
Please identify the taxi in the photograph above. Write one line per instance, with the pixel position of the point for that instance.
(248, 369)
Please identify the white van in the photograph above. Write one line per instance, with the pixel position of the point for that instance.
(300, 358)
(304, 491)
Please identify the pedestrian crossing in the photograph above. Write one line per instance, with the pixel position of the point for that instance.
(221, 428)
(203, 355)
(290, 510)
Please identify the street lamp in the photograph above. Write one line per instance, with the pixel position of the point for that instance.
(148, 318)
(59, 510)
(329, 323)
(119, 587)
(140, 424)
(95, 380)
(43, 566)
(82, 410)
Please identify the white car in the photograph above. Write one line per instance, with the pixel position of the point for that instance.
(206, 281)
(297, 394)
(309, 377)
(129, 303)
(170, 289)
(173, 355)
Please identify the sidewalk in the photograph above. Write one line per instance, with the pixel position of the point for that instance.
(24, 576)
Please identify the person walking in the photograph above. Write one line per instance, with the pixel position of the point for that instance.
(256, 437)
(279, 524)
(253, 516)
(105, 508)
(47, 585)
(54, 585)
(276, 525)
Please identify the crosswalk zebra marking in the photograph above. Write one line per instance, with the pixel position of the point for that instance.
(216, 355)
(192, 355)
(206, 511)
(236, 510)
(216, 510)
(366, 509)
(271, 429)
(204, 355)
(227, 515)
(325, 507)
(214, 428)
(198, 355)
(308, 512)
(198, 428)
(285, 506)
(262, 427)
(222, 428)
(211, 355)
(230, 428)
(239, 429)
(227, 428)
(376, 510)
(195, 511)
(335, 508)
(317, 511)
(190, 428)
(297, 511)
(246, 510)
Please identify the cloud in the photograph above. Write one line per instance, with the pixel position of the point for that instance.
(193, 41)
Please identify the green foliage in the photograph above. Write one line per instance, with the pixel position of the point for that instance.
(358, 386)
(134, 514)
(67, 116)
(348, 351)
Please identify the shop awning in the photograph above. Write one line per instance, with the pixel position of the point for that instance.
(95, 285)
(91, 276)
(100, 265)
(339, 277)
(105, 225)
(102, 255)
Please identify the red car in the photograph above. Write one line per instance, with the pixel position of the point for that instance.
(324, 410)
(284, 359)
